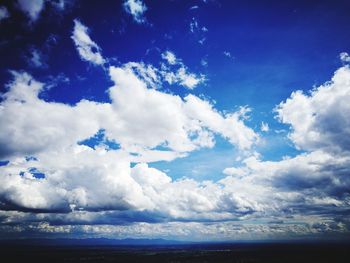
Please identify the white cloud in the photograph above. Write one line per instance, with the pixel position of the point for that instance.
(4, 13)
(202, 40)
(167, 118)
(188, 80)
(227, 54)
(191, 231)
(198, 31)
(34, 8)
(36, 59)
(204, 62)
(304, 182)
(33, 132)
(31, 8)
(147, 73)
(230, 126)
(95, 180)
(264, 127)
(181, 74)
(194, 25)
(153, 119)
(313, 181)
(320, 120)
(81, 183)
(344, 56)
(87, 48)
(136, 8)
(59, 4)
(169, 57)
(174, 72)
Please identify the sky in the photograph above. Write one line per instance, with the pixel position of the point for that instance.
(199, 120)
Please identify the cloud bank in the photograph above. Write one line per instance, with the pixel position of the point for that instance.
(71, 183)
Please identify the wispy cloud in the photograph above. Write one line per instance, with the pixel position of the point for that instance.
(31, 8)
(264, 127)
(227, 54)
(181, 74)
(137, 9)
(198, 31)
(36, 59)
(4, 13)
(87, 49)
(194, 7)
(344, 56)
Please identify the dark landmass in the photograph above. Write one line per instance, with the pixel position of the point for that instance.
(171, 251)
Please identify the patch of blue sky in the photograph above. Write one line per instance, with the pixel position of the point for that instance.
(99, 139)
(203, 164)
(4, 163)
(36, 173)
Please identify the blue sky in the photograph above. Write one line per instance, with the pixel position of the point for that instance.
(191, 120)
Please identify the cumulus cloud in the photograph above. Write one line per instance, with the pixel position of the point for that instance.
(136, 8)
(316, 181)
(319, 120)
(33, 132)
(231, 126)
(319, 173)
(31, 8)
(4, 13)
(64, 175)
(169, 120)
(87, 48)
(52, 176)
